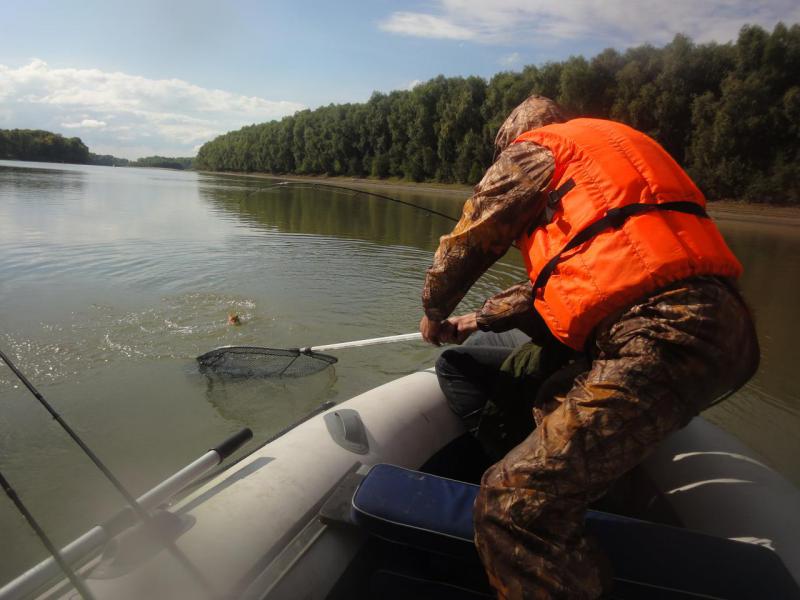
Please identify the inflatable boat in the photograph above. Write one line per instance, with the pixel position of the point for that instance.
(372, 498)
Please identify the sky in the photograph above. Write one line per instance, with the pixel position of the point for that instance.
(162, 77)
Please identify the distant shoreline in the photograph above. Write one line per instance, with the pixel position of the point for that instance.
(754, 212)
(726, 210)
(131, 164)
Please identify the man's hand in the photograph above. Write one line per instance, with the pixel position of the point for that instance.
(432, 330)
(459, 328)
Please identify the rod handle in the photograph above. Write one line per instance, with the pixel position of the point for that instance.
(233, 443)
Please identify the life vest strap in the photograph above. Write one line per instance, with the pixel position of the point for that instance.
(613, 219)
(554, 199)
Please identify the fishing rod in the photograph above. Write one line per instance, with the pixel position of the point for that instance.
(314, 184)
(71, 575)
(129, 498)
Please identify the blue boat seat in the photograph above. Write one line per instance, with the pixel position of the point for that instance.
(649, 560)
(417, 509)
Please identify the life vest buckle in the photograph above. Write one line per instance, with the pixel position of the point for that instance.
(554, 198)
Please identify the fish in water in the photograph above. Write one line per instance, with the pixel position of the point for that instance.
(234, 319)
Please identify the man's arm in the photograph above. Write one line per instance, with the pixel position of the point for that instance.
(513, 309)
(505, 204)
(506, 310)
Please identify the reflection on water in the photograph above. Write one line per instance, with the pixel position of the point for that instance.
(766, 413)
(241, 401)
(329, 212)
(325, 212)
(101, 334)
(113, 280)
(345, 213)
(35, 184)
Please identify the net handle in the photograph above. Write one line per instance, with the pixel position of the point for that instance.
(403, 337)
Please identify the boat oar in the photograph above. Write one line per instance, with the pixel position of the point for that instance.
(258, 361)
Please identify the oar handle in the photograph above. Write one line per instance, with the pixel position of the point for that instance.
(404, 337)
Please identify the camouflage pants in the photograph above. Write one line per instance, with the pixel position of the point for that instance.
(653, 367)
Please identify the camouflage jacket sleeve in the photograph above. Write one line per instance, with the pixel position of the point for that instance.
(506, 202)
(513, 309)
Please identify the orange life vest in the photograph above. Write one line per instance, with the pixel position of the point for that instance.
(624, 221)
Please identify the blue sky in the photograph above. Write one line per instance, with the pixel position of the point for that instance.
(144, 77)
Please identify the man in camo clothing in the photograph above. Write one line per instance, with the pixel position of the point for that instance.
(651, 366)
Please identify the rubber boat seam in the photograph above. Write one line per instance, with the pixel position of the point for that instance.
(298, 554)
(322, 408)
(325, 406)
(261, 565)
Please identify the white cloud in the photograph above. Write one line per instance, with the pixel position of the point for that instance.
(123, 113)
(85, 124)
(413, 84)
(616, 22)
(422, 25)
(510, 59)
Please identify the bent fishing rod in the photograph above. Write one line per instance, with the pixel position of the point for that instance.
(126, 494)
(315, 184)
(331, 186)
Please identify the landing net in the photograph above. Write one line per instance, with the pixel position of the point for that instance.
(250, 361)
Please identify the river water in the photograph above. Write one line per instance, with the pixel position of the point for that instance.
(112, 280)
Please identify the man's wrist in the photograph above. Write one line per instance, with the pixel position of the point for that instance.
(482, 322)
(434, 316)
(433, 322)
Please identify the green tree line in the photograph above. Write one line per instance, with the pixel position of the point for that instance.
(45, 146)
(729, 113)
(162, 162)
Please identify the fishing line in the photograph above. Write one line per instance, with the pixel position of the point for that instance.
(71, 575)
(314, 184)
(129, 498)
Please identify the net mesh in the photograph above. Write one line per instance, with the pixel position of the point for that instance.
(245, 361)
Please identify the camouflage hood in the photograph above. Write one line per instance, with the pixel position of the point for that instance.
(535, 111)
